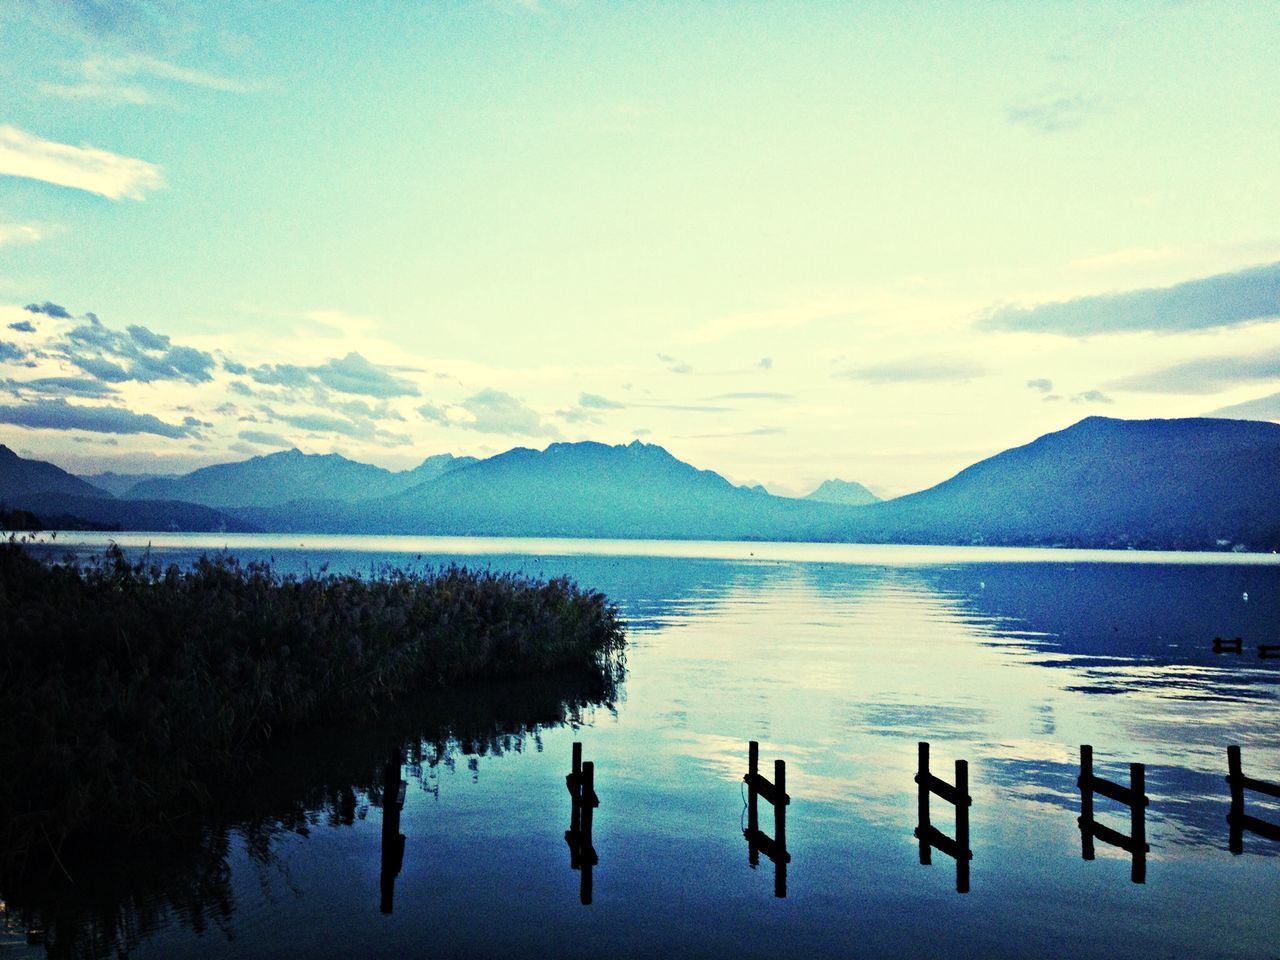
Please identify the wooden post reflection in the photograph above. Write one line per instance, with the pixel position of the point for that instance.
(775, 847)
(581, 783)
(1133, 796)
(393, 794)
(1237, 820)
(931, 837)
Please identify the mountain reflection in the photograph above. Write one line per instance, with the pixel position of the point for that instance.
(106, 897)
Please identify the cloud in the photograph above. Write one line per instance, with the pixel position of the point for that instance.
(264, 439)
(1050, 114)
(147, 357)
(753, 395)
(231, 366)
(492, 411)
(1043, 385)
(1206, 375)
(13, 234)
(81, 168)
(146, 339)
(757, 432)
(115, 80)
(766, 363)
(919, 370)
(1263, 408)
(354, 374)
(60, 386)
(1218, 301)
(1091, 396)
(57, 311)
(23, 326)
(10, 351)
(60, 415)
(674, 365)
(594, 401)
(280, 375)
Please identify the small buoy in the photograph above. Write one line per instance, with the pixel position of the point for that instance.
(1246, 596)
(982, 584)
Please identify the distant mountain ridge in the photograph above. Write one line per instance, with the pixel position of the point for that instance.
(277, 478)
(1197, 483)
(1162, 484)
(849, 492)
(55, 496)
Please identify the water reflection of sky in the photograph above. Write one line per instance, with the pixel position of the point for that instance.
(839, 668)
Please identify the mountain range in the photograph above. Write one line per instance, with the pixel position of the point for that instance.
(1192, 483)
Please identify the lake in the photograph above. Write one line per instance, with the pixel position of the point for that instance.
(838, 660)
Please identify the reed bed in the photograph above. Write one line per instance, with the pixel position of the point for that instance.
(127, 688)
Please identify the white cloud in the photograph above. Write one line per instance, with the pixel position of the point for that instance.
(82, 168)
(12, 234)
(115, 80)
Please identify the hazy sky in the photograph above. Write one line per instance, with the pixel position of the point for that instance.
(787, 241)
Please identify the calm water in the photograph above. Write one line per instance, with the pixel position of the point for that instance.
(838, 660)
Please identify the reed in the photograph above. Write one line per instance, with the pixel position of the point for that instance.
(125, 687)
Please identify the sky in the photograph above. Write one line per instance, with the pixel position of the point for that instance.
(787, 241)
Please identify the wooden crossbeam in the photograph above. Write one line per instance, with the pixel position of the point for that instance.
(1263, 828)
(1257, 786)
(943, 789)
(940, 841)
(767, 845)
(1109, 788)
(767, 790)
(1114, 837)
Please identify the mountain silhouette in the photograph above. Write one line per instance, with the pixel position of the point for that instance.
(849, 492)
(277, 478)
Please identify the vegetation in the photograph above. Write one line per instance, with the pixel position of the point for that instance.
(112, 897)
(128, 691)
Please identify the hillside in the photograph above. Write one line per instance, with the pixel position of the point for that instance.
(277, 478)
(1192, 483)
(20, 478)
(575, 490)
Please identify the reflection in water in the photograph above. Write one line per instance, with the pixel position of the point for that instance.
(957, 795)
(1238, 821)
(393, 793)
(107, 897)
(1133, 796)
(581, 782)
(1228, 646)
(844, 667)
(775, 793)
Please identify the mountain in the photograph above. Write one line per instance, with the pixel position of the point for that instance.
(118, 484)
(1103, 482)
(62, 501)
(572, 490)
(20, 478)
(849, 492)
(277, 478)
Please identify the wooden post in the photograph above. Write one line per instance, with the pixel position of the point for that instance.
(780, 828)
(753, 814)
(962, 826)
(1235, 818)
(922, 803)
(587, 856)
(1085, 783)
(1138, 821)
(392, 840)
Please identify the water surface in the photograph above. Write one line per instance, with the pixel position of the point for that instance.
(837, 659)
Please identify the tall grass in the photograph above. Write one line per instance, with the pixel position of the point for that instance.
(125, 688)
